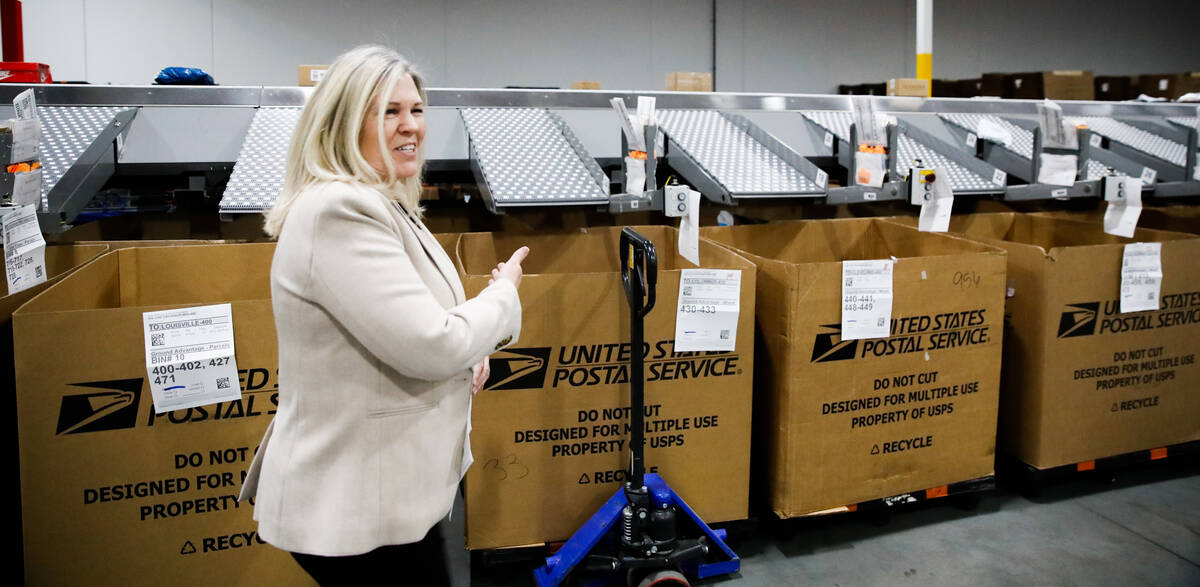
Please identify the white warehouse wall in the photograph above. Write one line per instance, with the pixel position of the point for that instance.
(760, 45)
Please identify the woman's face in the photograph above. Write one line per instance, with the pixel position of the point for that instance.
(403, 130)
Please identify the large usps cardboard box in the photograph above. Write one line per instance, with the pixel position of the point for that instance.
(1081, 379)
(550, 434)
(848, 421)
(114, 494)
(61, 260)
(1178, 218)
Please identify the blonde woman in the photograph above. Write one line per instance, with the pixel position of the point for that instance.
(379, 349)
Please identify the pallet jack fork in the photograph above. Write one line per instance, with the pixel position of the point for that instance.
(645, 530)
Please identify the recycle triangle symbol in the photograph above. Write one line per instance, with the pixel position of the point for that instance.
(875, 449)
(1114, 408)
(583, 479)
(188, 548)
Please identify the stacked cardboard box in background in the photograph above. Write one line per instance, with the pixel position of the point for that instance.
(1114, 88)
(908, 86)
(549, 434)
(689, 81)
(112, 493)
(1053, 85)
(855, 420)
(1167, 85)
(1082, 380)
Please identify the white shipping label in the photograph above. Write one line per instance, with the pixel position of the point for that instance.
(869, 169)
(822, 178)
(635, 175)
(27, 188)
(1054, 130)
(866, 299)
(828, 140)
(1124, 206)
(866, 123)
(26, 136)
(709, 303)
(972, 140)
(1149, 175)
(999, 177)
(936, 201)
(190, 357)
(24, 250)
(689, 230)
(1057, 169)
(645, 110)
(1141, 277)
(632, 135)
(1095, 140)
(25, 105)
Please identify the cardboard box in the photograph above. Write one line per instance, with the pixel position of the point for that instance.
(548, 431)
(1181, 218)
(1054, 85)
(991, 84)
(585, 85)
(850, 421)
(689, 81)
(1114, 87)
(1168, 85)
(968, 88)
(165, 226)
(908, 86)
(1081, 380)
(309, 75)
(113, 494)
(61, 261)
(944, 88)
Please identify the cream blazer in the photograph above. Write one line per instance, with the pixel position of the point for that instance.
(376, 344)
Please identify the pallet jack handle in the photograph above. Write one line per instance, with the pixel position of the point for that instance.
(639, 275)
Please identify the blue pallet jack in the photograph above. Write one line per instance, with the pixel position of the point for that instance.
(645, 534)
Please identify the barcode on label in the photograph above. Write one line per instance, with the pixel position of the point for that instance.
(724, 334)
(37, 271)
(158, 339)
(222, 383)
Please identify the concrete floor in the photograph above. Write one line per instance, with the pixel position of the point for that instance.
(1142, 528)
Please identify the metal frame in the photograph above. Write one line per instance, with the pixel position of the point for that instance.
(694, 172)
(253, 96)
(982, 169)
(995, 154)
(581, 154)
(86, 176)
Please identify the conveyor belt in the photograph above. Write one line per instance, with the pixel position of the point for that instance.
(742, 164)
(835, 121)
(1186, 122)
(1022, 143)
(1135, 138)
(528, 156)
(961, 178)
(67, 131)
(1093, 170)
(258, 174)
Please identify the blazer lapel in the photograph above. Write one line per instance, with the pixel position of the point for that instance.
(438, 255)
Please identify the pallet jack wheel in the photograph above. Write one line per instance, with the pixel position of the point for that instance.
(664, 578)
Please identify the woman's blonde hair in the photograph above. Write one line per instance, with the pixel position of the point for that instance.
(324, 145)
